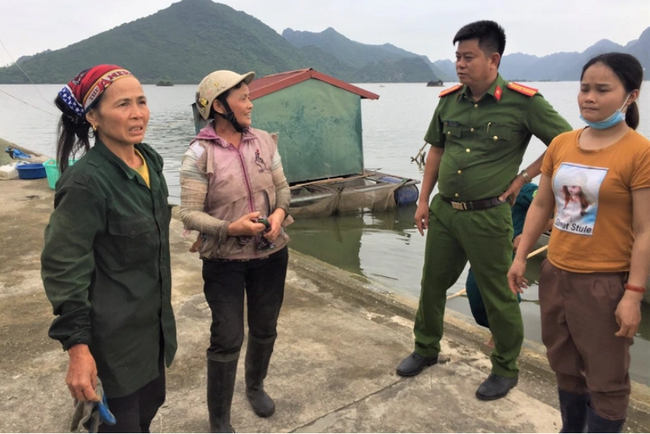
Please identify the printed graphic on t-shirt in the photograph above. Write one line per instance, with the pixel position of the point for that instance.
(576, 194)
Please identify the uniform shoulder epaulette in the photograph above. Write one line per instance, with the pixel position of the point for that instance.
(524, 90)
(450, 90)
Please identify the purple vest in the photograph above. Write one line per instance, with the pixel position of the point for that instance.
(239, 182)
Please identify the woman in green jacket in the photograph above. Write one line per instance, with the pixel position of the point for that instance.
(105, 264)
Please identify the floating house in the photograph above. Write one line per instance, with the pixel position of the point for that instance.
(318, 121)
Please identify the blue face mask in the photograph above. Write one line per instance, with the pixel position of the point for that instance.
(617, 117)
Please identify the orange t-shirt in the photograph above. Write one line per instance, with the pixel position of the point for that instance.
(593, 194)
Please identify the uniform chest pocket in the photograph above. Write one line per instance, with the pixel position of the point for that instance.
(135, 240)
(499, 135)
(452, 131)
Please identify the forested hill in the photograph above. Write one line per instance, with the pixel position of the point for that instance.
(192, 38)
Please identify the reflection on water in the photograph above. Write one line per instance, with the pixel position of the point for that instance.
(337, 240)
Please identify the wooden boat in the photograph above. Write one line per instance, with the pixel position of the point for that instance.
(371, 190)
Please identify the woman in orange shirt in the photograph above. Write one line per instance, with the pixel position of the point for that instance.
(593, 280)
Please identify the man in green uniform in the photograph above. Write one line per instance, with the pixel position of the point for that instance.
(479, 133)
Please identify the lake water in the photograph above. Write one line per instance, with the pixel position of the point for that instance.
(384, 247)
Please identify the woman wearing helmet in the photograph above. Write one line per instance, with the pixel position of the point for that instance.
(234, 192)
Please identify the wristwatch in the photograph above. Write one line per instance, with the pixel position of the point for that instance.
(526, 176)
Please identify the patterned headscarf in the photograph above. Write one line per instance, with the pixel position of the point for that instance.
(88, 85)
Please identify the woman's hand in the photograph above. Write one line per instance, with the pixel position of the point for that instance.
(275, 220)
(516, 280)
(628, 314)
(246, 225)
(82, 374)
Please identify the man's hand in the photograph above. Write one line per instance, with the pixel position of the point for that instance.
(422, 217)
(513, 190)
(82, 374)
(515, 242)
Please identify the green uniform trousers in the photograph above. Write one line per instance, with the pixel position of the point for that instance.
(484, 238)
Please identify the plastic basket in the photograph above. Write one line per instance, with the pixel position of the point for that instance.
(52, 171)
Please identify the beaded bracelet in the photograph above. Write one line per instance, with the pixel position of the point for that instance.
(634, 288)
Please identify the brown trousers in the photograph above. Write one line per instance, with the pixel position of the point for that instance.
(578, 326)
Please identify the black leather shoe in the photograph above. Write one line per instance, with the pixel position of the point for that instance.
(414, 364)
(495, 387)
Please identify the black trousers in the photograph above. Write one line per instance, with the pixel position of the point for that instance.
(225, 283)
(135, 412)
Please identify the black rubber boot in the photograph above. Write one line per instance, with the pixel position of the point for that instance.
(258, 356)
(573, 407)
(221, 385)
(595, 423)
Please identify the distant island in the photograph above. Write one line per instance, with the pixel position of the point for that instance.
(246, 44)
(434, 83)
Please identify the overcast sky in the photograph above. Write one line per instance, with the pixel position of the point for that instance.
(538, 27)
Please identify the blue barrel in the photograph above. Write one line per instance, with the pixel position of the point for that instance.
(406, 194)
(391, 179)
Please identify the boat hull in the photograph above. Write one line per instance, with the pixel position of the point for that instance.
(374, 191)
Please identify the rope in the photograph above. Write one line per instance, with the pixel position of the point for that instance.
(28, 77)
(26, 103)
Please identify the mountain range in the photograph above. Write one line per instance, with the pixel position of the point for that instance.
(192, 38)
(356, 54)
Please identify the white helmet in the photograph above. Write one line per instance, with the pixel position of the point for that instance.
(214, 85)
